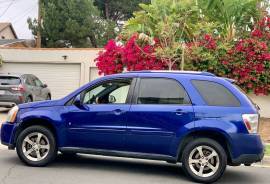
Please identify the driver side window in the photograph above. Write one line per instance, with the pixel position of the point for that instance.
(112, 92)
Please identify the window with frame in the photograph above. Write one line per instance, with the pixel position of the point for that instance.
(161, 91)
(38, 83)
(110, 92)
(215, 94)
(30, 80)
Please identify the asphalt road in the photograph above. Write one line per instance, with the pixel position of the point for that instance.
(110, 170)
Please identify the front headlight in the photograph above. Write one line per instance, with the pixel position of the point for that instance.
(12, 114)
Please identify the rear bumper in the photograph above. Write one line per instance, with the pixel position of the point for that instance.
(246, 148)
(9, 101)
(248, 159)
(7, 104)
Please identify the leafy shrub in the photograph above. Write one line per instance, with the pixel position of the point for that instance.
(248, 62)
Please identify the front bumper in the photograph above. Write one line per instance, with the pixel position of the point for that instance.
(246, 148)
(7, 132)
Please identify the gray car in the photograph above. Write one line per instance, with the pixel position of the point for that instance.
(21, 88)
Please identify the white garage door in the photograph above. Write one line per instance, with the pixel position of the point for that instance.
(60, 78)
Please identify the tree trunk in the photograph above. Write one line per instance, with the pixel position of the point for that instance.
(93, 41)
(106, 4)
(170, 65)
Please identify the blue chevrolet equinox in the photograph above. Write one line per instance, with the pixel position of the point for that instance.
(196, 118)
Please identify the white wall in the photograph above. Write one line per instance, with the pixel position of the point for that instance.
(84, 56)
(88, 68)
(7, 33)
(263, 102)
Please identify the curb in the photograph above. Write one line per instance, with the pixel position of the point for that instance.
(265, 163)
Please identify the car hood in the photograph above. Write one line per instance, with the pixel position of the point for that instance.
(46, 103)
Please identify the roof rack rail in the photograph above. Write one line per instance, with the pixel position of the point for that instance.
(175, 72)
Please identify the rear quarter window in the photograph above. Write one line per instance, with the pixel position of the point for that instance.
(9, 80)
(215, 94)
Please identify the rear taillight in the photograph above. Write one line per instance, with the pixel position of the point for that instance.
(20, 88)
(252, 122)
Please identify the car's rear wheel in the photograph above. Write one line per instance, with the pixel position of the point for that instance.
(48, 97)
(36, 146)
(204, 160)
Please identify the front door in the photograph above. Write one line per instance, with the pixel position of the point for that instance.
(100, 122)
(161, 108)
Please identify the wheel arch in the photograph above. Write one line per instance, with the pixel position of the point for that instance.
(35, 121)
(49, 94)
(218, 136)
(30, 96)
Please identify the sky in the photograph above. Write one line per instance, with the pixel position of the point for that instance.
(17, 12)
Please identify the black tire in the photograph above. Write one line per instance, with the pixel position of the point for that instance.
(51, 154)
(210, 144)
(48, 97)
(28, 99)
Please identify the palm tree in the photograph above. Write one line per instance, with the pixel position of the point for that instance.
(233, 16)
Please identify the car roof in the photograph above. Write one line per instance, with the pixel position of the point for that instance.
(174, 72)
(13, 74)
(196, 75)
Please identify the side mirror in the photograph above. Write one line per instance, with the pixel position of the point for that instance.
(77, 101)
(112, 99)
(44, 85)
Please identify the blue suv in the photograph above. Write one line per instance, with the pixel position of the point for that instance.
(196, 118)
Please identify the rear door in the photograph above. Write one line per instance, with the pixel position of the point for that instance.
(33, 89)
(161, 107)
(29, 82)
(42, 92)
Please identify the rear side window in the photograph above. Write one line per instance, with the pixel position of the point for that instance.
(215, 94)
(30, 81)
(9, 80)
(161, 91)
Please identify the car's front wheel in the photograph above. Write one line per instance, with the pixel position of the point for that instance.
(36, 146)
(204, 160)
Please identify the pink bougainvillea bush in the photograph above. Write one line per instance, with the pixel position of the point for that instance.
(110, 60)
(248, 62)
(135, 55)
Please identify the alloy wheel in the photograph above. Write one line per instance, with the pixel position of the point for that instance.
(203, 161)
(35, 146)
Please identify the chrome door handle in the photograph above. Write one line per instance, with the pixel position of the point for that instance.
(118, 111)
(179, 112)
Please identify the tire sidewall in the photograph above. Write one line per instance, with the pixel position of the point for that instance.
(204, 142)
(52, 152)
